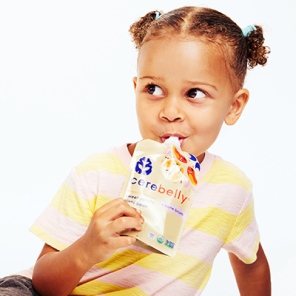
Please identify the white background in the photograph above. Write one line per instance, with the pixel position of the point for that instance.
(66, 91)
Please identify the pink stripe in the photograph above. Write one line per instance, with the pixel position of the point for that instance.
(93, 183)
(192, 243)
(221, 196)
(243, 246)
(52, 219)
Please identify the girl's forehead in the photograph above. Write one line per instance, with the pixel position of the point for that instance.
(182, 49)
(175, 41)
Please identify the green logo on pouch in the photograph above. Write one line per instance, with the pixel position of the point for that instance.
(160, 239)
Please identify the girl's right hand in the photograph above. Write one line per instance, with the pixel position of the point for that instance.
(101, 239)
(102, 236)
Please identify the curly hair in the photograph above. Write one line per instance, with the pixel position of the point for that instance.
(209, 25)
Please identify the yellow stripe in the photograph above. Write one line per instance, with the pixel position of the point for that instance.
(245, 219)
(71, 205)
(129, 292)
(224, 172)
(115, 262)
(207, 219)
(68, 202)
(94, 287)
(99, 201)
(107, 161)
(186, 268)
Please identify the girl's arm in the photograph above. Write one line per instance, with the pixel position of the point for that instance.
(59, 272)
(252, 279)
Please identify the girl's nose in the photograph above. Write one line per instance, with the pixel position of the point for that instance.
(171, 110)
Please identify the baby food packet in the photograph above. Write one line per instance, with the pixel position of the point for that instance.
(161, 184)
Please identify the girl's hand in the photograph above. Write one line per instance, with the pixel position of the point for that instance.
(99, 242)
(102, 236)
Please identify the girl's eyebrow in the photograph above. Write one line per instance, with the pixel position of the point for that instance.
(151, 77)
(193, 83)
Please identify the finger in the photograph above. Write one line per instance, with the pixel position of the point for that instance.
(117, 209)
(124, 223)
(110, 204)
(121, 242)
(121, 226)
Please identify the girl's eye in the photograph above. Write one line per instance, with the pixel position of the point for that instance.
(196, 93)
(154, 90)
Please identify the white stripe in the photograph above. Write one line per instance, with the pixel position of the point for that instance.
(60, 227)
(221, 196)
(244, 245)
(193, 243)
(93, 183)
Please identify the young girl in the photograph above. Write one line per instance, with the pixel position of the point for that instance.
(191, 68)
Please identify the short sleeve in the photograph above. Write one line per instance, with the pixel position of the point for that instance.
(243, 240)
(67, 216)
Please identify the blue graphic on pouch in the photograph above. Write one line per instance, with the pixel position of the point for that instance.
(192, 157)
(144, 166)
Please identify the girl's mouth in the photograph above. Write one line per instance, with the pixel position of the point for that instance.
(181, 138)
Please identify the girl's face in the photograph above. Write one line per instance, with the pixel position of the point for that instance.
(183, 89)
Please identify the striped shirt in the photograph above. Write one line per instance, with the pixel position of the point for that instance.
(222, 216)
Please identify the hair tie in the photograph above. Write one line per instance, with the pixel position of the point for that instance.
(157, 15)
(247, 30)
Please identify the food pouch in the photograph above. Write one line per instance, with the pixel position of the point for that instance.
(161, 184)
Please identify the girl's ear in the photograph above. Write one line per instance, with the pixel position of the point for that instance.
(236, 109)
(135, 82)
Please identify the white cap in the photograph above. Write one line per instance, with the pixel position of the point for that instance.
(173, 141)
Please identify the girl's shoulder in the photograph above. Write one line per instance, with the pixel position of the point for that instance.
(220, 171)
(114, 160)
